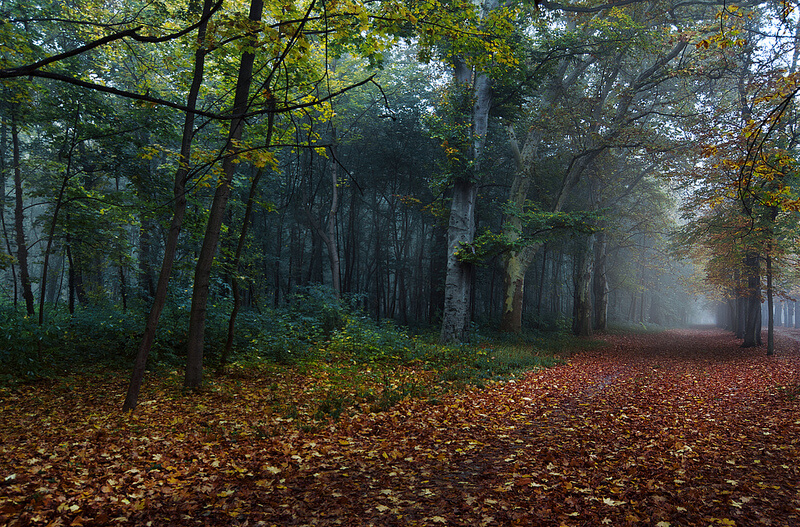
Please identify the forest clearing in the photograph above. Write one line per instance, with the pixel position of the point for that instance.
(677, 428)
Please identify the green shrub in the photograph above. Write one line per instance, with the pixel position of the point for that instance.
(365, 341)
(22, 345)
(476, 364)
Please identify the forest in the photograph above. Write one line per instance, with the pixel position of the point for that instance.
(180, 177)
(270, 219)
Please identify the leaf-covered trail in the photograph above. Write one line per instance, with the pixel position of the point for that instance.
(683, 428)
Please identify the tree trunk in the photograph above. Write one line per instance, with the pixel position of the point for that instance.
(515, 266)
(438, 275)
(237, 257)
(600, 283)
(461, 226)
(70, 275)
(178, 213)
(582, 321)
(555, 298)
(328, 234)
(53, 221)
(752, 322)
(6, 235)
(796, 315)
(147, 284)
(457, 288)
(19, 222)
(770, 307)
(741, 314)
(542, 280)
(516, 262)
(197, 315)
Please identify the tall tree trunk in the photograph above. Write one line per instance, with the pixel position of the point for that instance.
(582, 320)
(741, 314)
(197, 315)
(70, 275)
(328, 233)
(542, 280)
(555, 298)
(460, 233)
(19, 221)
(237, 257)
(515, 266)
(516, 262)
(461, 226)
(147, 284)
(796, 314)
(436, 273)
(178, 214)
(6, 235)
(770, 308)
(600, 283)
(752, 322)
(53, 221)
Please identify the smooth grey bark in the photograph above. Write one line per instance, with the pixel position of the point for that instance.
(457, 290)
(459, 277)
(461, 225)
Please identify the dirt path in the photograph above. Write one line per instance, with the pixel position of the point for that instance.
(678, 429)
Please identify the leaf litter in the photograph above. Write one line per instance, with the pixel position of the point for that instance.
(679, 428)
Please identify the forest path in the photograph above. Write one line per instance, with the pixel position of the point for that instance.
(682, 428)
(678, 428)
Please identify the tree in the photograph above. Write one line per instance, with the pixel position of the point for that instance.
(182, 173)
(19, 218)
(472, 94)
(607, 68)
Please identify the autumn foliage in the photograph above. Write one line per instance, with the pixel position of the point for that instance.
(678, 428)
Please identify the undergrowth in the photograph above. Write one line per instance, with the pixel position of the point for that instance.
(344, 361)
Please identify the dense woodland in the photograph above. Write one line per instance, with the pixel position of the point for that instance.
(399, 262)
(203, 178)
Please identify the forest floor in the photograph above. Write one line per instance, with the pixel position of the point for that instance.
(671, 429)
